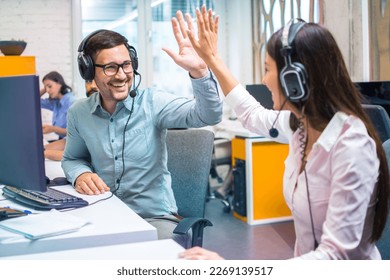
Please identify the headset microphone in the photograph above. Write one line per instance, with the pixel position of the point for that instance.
(133, 93)
(273, 132)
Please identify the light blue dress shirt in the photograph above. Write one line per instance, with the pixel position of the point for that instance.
(95, 141)
(59, 107)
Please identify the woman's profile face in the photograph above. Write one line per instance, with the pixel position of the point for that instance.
(52, 88)
(271, 80)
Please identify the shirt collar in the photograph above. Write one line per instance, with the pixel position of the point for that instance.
(332, 131)
(97, 107)
(61, 101)
(95, 101)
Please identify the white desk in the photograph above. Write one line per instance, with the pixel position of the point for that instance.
(111, 223)
(166, 249)
(232, 128)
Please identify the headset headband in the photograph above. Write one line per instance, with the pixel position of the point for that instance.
(293, 76)
(86, 39)
(291, 30)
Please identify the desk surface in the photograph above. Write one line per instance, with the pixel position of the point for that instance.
(111, 223)
(232, 128)
(166, 249)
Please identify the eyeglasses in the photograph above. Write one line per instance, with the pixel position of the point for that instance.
(111, 69)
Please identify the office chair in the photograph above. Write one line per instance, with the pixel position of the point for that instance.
(380, 119)
(383, 244)
(189, 160)
(222, 156)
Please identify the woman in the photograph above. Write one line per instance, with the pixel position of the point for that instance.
(336, 179)
(55, 150)
(59, 101)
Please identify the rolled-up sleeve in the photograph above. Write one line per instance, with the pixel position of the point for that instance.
(76, 158)
(179, 112)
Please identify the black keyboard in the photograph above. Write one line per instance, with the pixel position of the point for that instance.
(51, 199)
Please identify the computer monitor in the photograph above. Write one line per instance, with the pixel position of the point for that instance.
(22, 162)
(376, 93)
(261, 93)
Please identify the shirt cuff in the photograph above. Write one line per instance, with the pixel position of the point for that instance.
(201, 78)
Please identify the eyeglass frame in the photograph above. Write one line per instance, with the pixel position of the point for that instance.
(103, 66)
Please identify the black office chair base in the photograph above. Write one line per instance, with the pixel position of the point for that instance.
(227, 205)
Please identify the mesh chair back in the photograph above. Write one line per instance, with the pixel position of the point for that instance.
(189, 160)
(380, 120)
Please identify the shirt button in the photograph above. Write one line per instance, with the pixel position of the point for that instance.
(112, 140)
(116, 157)
(117, 181)
(111, 120)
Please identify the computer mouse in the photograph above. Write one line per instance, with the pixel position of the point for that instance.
(58, 181)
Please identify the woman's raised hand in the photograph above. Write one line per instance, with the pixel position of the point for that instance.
(206, 43)
(187, 57)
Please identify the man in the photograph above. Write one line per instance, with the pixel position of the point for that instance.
(116, 139)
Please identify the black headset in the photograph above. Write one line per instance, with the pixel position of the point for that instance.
(86, 64)
(293, 77)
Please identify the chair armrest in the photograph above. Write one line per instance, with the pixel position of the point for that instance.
(197, 225)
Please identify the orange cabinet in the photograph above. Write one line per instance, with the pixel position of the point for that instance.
(17, 65)
(264, 168)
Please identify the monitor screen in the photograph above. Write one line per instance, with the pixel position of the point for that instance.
(261, 94)
(376, 93)
(22, 162)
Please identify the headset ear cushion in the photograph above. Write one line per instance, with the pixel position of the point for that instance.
(293, 79)
(133, 57)
(86, 67)
(135, 63)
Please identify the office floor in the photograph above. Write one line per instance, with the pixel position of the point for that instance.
(234, 239)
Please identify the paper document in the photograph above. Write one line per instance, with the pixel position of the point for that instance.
(51, 223)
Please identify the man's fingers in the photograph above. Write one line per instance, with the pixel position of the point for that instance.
(190, 24)
(82, 187)
(182, 24)
(99, 183)
(176, 30)
(90, 183)
(191, 32)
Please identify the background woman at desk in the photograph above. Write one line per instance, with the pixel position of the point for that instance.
(55, 150)
(59, 101)
(336, 179)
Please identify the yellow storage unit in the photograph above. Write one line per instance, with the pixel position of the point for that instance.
(17, 65)
(264, 168)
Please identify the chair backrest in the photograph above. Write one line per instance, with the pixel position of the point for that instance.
(189, 160)
(383, 243)
(380, 119)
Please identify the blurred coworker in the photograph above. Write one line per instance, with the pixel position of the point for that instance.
(55, 150)
(59, 101)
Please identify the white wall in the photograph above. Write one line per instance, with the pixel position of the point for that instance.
(235, 39)
(46, 26)
(347, 20)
